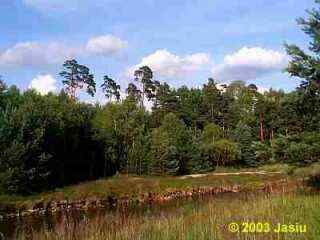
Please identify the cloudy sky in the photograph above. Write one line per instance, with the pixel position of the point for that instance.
(183, 41)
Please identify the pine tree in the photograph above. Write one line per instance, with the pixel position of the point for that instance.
(307, 67)
(76, 77)
(244, 137)
(2, 85)
(110, 88)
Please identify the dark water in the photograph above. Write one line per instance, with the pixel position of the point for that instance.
(11, 228)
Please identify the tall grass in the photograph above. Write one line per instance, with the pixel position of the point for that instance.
(197, 220)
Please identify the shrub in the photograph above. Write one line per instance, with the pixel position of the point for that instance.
(299, 152)
(314, 181)
(299, 149)
(222, 152)
(262, 151)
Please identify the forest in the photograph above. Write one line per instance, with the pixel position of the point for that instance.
(54, 140)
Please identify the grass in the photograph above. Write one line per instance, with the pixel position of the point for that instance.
(134, 186)
(199, 220)
(307, 170)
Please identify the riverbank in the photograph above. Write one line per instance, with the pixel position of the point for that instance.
(196, 219)
(129, 190)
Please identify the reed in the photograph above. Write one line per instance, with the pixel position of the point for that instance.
(197, 220)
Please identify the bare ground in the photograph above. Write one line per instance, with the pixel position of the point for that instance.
(227, 174)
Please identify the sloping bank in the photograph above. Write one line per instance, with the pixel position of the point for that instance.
(124, 191)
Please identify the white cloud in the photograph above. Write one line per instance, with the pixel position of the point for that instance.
(56, 8)
(44, 84)
(45, 5)
(169, 65)
(249, 63)
(35, 54)
(105, 45)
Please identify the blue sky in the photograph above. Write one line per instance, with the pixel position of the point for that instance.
(183, 41)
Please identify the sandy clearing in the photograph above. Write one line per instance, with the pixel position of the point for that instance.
(227, 174)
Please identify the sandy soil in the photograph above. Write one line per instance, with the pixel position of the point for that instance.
(226, 174)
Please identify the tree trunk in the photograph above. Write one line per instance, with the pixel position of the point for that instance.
(212, 117)
(271, 134)
(261, 128)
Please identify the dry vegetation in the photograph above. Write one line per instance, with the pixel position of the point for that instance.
(197, 220)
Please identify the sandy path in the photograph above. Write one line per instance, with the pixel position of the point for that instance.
(227, 174)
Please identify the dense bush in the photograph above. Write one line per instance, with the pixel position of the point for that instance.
(262, 152)
(300, 149)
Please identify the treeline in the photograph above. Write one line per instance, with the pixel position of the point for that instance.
(54, 140)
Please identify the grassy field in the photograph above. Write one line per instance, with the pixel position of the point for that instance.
(200, 220)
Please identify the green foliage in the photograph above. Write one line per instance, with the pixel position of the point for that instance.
(144, 75)
(122, 130)
(221, 153)
(211, 133)
(50, 141)
(299, 152)
(45, 142)
(215, 149)
(172, 150)
(3, 86)
(262, 152)
(188, 106)
(134, 94)
(298, 149)
(160, 151)
(212, 98)
(77, 76)
(225, 152)
(243, 135)
(110, 88)
(306, 67)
